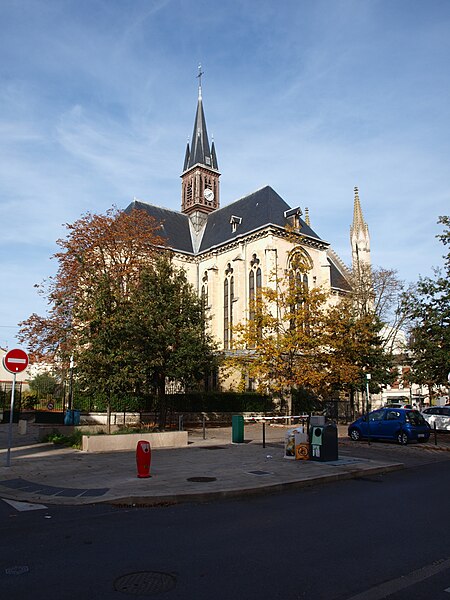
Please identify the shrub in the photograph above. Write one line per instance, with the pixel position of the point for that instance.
(74, 440)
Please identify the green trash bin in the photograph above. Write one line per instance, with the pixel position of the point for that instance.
(237, 429)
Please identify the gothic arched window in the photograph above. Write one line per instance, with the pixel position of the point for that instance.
(254, 286)
(228, 298)
(300, 264)
(204, 293)
(254, 290)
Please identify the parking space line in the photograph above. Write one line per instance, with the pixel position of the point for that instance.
(395, 585)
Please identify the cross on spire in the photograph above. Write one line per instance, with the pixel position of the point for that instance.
(199, 77)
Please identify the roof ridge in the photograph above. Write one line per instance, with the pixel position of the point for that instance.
(339, 262)
(135, 200)
(251, 194)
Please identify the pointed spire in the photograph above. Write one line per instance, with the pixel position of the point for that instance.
(359, 235)
(186, 156)
(358, 219)
(307, 221)
(214, 162)
(200, 151)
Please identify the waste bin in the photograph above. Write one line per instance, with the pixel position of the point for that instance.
(289, 444)
(237, 429)
(296, 444)
(324, 443)
(72, 417)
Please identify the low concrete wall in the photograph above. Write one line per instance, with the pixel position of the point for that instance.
(117, 418)
(128, 441)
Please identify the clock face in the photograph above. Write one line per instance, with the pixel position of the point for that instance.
(209, 195)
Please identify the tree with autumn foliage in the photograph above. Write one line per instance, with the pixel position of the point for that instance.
(281, 347)
(118, 306)
(100, 253)
(297, 338)
(283, 344)
(355, 347)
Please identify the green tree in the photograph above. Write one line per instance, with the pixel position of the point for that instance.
(127, 316)
(429, 306)
(169, 331)
(43, 385)
(153, 334)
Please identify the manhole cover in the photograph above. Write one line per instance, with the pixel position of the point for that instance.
(201, 479)
(260, 473)
(147, 583)
(19, 570)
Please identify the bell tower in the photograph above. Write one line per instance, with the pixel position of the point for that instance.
(359, 237)
(200, 177)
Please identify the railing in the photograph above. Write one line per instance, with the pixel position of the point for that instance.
(301, 420)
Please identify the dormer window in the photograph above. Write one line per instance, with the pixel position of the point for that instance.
(235, 222)
(293, 217)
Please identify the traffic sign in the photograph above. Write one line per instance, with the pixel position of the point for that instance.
(15, 361)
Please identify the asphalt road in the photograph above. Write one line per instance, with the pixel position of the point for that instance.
(385, 536)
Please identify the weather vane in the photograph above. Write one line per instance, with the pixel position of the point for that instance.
(200, 73)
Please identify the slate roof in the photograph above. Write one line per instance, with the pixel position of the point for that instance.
(338, 281)
(255, 211)
(174, 225)
(262, 208)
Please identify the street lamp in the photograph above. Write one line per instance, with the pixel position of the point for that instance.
(368, 378)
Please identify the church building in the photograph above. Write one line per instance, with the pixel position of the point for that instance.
(231, 251)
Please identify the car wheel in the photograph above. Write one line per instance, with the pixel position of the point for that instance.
(355, 435)
(402, 438)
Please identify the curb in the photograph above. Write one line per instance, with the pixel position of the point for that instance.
(206, 496)
(171, 500)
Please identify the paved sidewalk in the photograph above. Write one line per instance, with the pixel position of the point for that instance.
(206, 469)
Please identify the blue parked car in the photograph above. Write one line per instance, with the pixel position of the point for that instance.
(400, 424)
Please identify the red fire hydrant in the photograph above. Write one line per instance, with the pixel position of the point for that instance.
(143, 458)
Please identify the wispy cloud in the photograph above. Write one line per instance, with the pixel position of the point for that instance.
(97, 100)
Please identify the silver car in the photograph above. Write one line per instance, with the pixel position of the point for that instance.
(439, 415)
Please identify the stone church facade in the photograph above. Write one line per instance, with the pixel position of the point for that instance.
(230, 252)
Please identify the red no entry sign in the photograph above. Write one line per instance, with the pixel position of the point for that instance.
(16, 361)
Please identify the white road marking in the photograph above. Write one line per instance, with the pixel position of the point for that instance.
(23, 506)
(447, 590)
(395, 585)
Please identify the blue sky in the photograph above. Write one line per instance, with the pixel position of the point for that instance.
(313, 97)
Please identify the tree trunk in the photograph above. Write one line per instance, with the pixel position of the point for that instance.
(162, 402)
(108, 416)
(352, 403)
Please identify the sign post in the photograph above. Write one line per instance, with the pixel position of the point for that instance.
(15, 361)
(368, 378)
